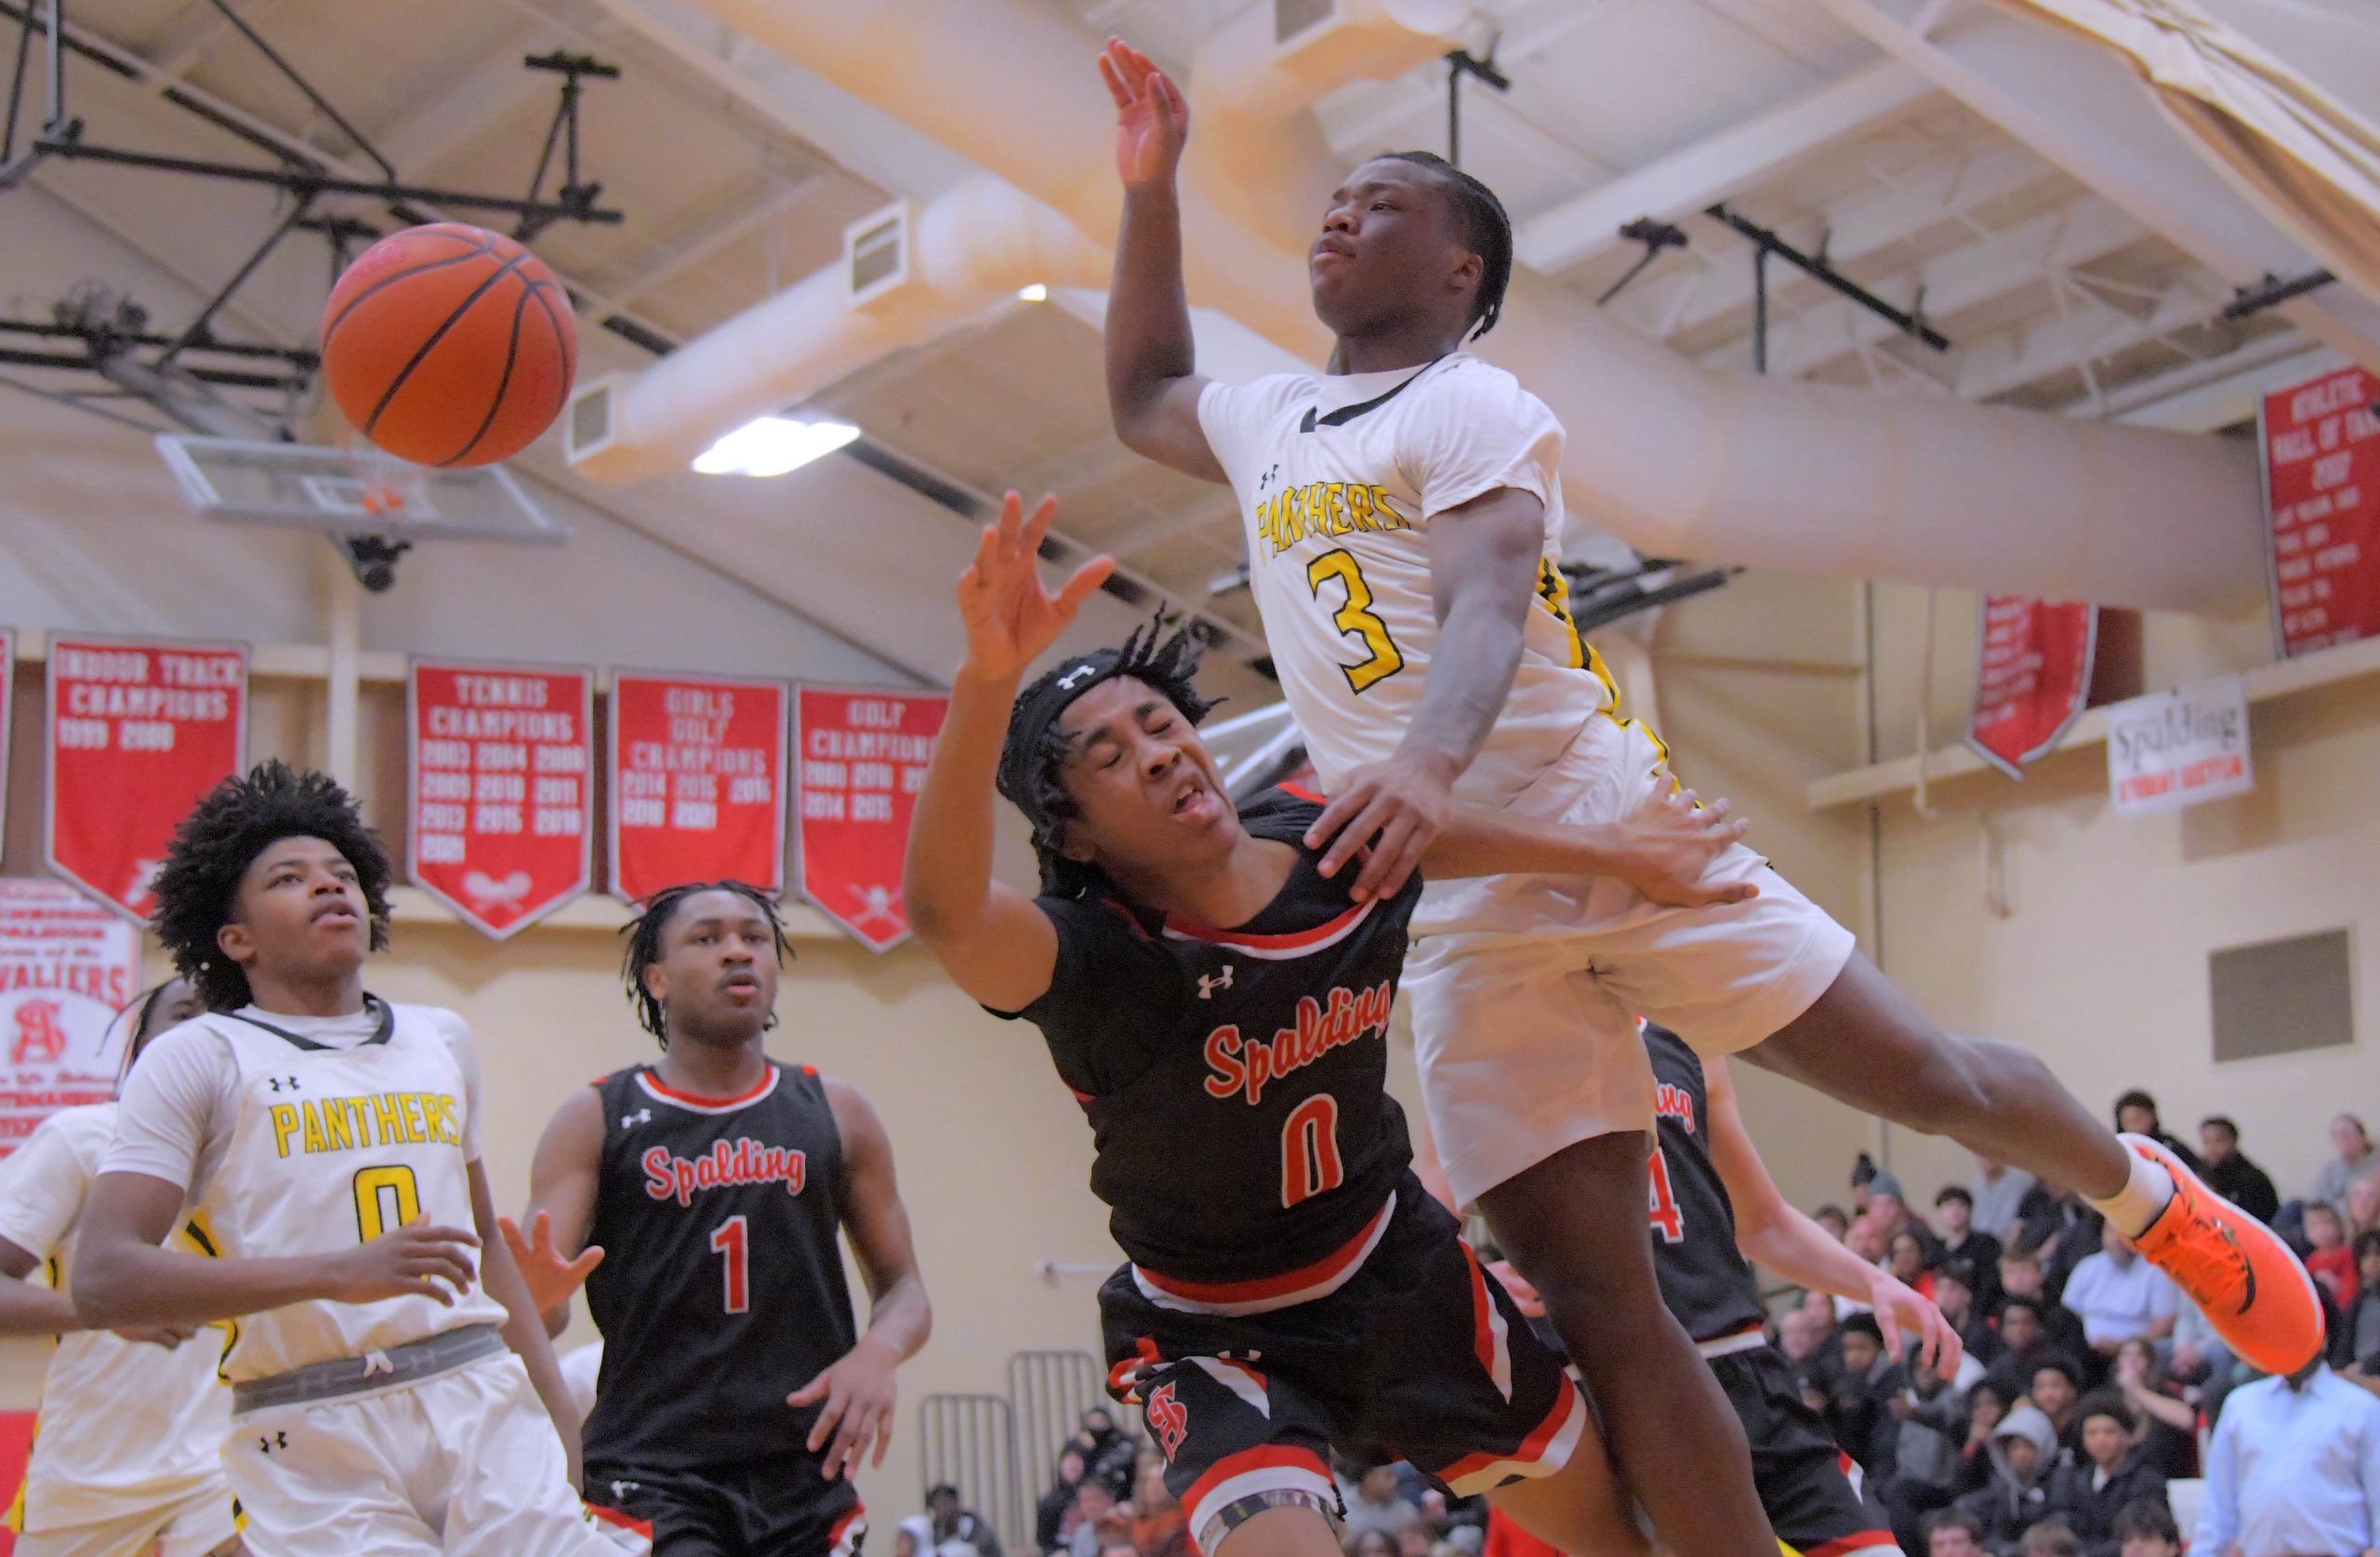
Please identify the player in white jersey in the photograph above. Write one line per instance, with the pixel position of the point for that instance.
(387, 1387)
(1403, 519)
(124, 1458)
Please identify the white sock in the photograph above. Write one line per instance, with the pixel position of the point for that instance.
(2133, 1208)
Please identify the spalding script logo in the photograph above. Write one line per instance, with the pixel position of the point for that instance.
(745, 1161)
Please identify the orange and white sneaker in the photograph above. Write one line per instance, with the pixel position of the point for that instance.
(2237, 1270)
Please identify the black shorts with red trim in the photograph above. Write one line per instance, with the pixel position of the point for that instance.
(771, 1509)
(1810, 1489)
(1419, 1354)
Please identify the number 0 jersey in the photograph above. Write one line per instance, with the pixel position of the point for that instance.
(1707, 1285)
(295, 1146)
(1339, 478)
(1236, 1080)
(721, 1288)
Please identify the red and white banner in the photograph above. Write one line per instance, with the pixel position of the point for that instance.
(502, 757)
(862, 758)
(68, 966)
(2320, 443)
(2177, 748)
(8, 701)
(2032, 677)
(139, 732)
(697, 776)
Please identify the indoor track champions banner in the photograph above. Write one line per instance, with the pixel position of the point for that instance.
(138, 732)
(501, 760)
(862, 760)
(2032, 677)
(68, 968)
(697, 782)
(2320, 443)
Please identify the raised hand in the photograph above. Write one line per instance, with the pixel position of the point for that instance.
(550, 1277)
(1151, 121)
(1010, 615)
(418, 1259)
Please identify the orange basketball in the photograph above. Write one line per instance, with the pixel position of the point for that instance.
(449, 345)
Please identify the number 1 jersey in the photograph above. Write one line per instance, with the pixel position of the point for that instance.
(721, 1288)
(1339, 478)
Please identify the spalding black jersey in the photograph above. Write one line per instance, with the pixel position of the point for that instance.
(721, 1288)
(1236, 1080)
(1706, 1283)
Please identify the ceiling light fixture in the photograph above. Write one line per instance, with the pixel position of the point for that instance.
(772, 445)
(1036, 293)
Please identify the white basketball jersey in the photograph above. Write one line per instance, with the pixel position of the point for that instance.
(1339, 479)
(332, 1148)
(123, 1427)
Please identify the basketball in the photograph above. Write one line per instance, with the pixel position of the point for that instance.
(449, 345)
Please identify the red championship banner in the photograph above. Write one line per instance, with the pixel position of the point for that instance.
(697, 777)
(862, 758)
(2032, 677)
(502, 759)
(68, 968)
(139, 732)
(2321, 462)
(8, 701)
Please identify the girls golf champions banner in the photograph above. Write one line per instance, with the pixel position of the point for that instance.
(697, 777)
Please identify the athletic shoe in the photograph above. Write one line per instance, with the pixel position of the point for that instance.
(2242, 1277)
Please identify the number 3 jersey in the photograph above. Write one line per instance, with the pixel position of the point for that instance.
(305, 1136)
(1339, 478)
(1235, 1079)
(721, 1288)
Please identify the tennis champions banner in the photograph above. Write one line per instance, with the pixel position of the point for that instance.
(138, 732)
(862, 760)
(501, 758)
(2032, 677)
(2322, 464)
(697, 782)
(68, 968)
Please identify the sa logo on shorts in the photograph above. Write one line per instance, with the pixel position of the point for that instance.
(1170, 1419)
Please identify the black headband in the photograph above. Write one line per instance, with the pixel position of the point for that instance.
(1035, 713)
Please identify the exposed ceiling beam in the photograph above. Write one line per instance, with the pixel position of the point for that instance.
(718, 225)
(475, 101)
(2206, 397)
(2078, 337)
(1717, 166)
(2081, 107)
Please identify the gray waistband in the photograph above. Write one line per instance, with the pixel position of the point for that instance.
(408, 1363)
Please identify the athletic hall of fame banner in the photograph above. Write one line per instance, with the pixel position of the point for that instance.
(2320, 443)
(862, 760)
(2032, 677)
(501, 761)
(68, 966)
(697, 782)
(140, 731)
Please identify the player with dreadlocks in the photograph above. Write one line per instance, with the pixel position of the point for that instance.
(386, 1387)
(1403, 514)
(1219, 1004)
(699, 1198)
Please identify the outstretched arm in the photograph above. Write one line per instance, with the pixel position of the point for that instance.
(992, 940)
(1152, 387)
(858, 1391)
(1484, 557)
(1771, 1233)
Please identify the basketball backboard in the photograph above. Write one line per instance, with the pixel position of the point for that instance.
(353, 492)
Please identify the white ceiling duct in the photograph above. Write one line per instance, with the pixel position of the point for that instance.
(1677, 461)
(909, 275)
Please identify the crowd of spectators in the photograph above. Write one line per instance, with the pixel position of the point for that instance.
(2091, 1382)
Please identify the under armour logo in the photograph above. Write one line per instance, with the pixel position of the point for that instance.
(641, 1117)
(272, 1440)
(1208, 984)
(278, 1080)
(620, 1490)
(1080, 672)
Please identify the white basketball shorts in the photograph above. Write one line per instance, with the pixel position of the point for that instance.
(194, 1525)
(464, 1463)
(1526, 989)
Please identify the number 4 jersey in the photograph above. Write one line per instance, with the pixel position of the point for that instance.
(1236, 1080)
(1339, 478)
(721, 1288)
